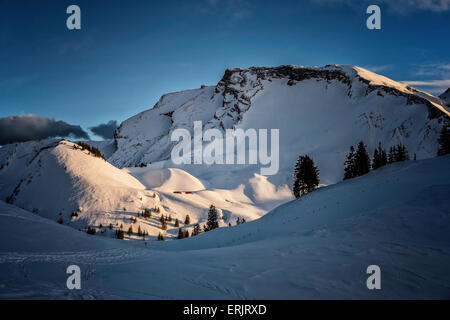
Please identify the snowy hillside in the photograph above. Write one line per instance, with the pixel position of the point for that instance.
(318, 247)
(319, 110)
(54, 180)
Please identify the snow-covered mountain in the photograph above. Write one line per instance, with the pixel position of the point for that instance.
(54, 180)
(320, 111)
(446, 97)
(316, 247)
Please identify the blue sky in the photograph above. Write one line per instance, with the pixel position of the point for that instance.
(129, 53)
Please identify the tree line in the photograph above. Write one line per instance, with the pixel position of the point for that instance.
(80, 145)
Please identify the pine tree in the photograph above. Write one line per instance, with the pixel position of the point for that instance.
(139, 231)
(349, 168)
(163, 224)
(379, 157)
(186, 234)
(180, 234)
(444, 141)
(306, 176)
(402, 153)
(362, 160)
(196, 230)
(177, 223)
(392, 154)
(212, 222)
(120, 235)
(187, 220)
(398, 153)
(130, 230)
(160, 237)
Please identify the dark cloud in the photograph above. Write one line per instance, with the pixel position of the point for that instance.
(31, 127)
(105, 130)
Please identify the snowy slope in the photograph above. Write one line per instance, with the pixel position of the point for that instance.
(317, 247)
(319, 110)
(53, 180)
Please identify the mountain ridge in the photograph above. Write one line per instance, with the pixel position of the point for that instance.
(235, 102)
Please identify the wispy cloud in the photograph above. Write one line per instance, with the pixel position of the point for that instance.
(430, 83)
(433, 70)
(434, 77)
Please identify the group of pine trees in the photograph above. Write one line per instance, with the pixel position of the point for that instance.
(380, 157)
(164, 219)
(146, 213)
(197, 230)
(359, 163)
(182, 234)
(306, 176)
(211, 224)
(120, 234)
(398, 153)
(80, 145)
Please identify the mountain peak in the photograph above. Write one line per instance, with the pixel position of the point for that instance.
(446, 97)
(369, 106)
